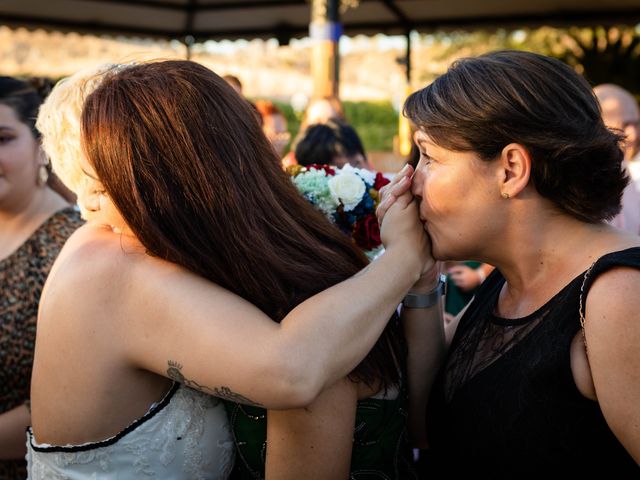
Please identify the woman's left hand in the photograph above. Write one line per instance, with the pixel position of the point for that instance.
(400, 184)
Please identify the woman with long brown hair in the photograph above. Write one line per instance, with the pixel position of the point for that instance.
(202, 265)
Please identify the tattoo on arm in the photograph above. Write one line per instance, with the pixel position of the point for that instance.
(174, 372)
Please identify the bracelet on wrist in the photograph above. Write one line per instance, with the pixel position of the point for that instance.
(426, 300)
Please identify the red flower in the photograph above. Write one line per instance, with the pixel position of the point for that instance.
(380, 181)
(329, 170)
(366, 232)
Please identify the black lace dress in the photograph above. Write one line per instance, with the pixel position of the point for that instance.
(505, 404)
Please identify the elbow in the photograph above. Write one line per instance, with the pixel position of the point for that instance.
(295, 386)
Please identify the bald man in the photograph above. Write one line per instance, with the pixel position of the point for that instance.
(620, 111)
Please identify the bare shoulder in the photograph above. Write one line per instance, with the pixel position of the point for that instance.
(91, 255)
(614, 294)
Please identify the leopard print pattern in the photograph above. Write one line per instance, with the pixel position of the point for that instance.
(22, 276)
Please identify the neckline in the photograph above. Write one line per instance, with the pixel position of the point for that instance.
(155, 408)
(37, 231)
(503, 321)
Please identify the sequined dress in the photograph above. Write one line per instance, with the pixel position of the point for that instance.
(380, 445)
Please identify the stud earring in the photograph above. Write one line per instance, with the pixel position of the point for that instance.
(43, 175)
(505, 195)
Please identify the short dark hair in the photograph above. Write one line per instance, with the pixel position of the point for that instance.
(482, 104)
(323, 142)
(23, 99)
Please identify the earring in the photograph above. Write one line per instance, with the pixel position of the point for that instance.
(505, 195)
(43, 175)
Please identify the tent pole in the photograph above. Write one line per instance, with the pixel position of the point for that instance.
(325, 30)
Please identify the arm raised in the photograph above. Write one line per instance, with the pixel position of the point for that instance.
(187, 328)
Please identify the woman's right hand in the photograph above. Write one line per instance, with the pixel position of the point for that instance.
(399, 220)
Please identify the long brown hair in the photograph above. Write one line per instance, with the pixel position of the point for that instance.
(185, 161)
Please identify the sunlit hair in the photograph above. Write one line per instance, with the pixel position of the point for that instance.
(183, 158)
(59, 123)
(482, 104)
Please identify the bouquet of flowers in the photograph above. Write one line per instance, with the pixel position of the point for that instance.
(348, 196)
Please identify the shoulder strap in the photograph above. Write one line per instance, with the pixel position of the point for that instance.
(624, 258)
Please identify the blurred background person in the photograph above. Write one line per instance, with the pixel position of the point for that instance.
(463, 280)
(620, 112)
(319, 111)
(274, 125)
(235, 83)
(331, 143)
(35, 221)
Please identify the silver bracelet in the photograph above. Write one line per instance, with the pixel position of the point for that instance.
(426, 300)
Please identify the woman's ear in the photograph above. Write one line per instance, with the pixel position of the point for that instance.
(515, 169)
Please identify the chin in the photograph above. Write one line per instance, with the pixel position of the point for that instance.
(440, 252)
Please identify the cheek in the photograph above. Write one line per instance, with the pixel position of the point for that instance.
(18, 159)
(441, 192)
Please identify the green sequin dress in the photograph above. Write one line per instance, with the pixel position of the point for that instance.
(380, 445)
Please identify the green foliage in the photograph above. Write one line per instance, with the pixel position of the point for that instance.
(375, 122)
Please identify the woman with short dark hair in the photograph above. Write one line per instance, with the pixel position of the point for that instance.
(517, 170)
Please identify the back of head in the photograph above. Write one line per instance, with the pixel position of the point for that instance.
(183, 158)
(23, 99)
(482, 104)
(59, 123)
(185, 161)
(324, 143)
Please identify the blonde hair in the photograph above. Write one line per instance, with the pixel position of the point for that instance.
(59, 123)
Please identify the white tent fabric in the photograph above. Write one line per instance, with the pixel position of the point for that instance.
(285, 19)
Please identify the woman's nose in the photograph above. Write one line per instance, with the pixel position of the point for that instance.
(417, 182)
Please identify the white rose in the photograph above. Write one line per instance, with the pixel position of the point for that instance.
(347, 188)
(367, 175)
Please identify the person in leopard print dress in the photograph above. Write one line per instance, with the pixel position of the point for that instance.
(34, 223)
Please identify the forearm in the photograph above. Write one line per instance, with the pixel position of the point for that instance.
(329, 334)
(13, 425)
(424, 331)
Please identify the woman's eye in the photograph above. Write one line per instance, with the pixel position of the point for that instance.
(427, 159)
(5, 139)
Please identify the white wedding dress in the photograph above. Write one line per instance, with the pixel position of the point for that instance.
(185, 436)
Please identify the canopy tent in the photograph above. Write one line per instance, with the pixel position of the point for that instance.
(198, 20)
(193, 21)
